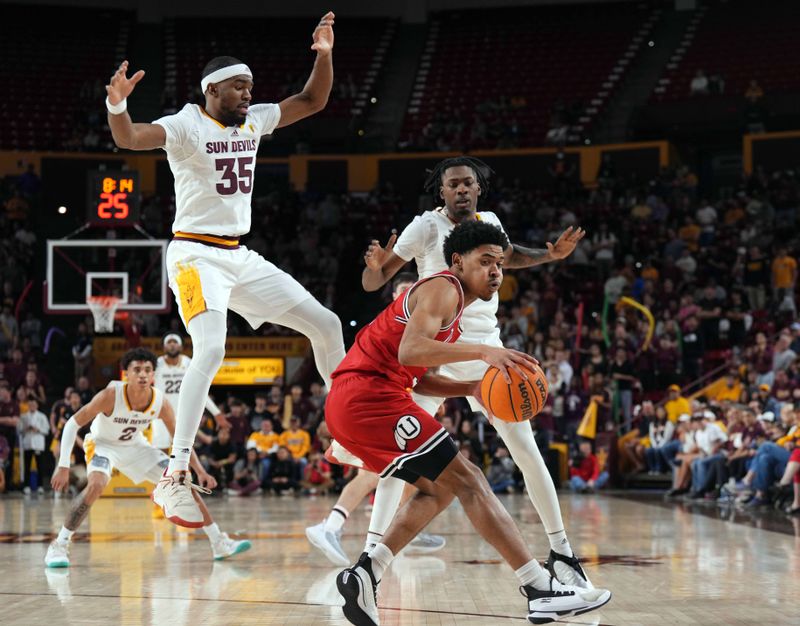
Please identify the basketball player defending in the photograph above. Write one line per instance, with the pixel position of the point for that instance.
(118, 415)
(212, 154)
(327, 534)
(458, 183)
(370, 412)
(170, 370)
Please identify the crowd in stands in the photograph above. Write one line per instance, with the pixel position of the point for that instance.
(669, 286)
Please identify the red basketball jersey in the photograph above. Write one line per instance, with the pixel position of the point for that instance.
(375, 349)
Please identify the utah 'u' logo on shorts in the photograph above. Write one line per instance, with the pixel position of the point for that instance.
(406, 429)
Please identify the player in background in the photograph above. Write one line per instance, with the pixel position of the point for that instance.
(327, 535)
(118, 415)
(458, 183)
(170, 370)
(212, 154)
(371, 413)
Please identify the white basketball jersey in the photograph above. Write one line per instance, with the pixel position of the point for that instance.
(423, 241)
(169, 377)
(213, 167)
(124, 426)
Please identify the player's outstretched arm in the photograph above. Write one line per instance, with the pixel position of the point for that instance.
(517, 256)
(103, 402)
(126, 134)
(381, 264)
(315, 94)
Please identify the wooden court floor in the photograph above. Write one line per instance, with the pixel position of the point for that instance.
(674, 564)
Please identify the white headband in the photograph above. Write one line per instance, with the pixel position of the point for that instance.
(173, 337)
(224, 73)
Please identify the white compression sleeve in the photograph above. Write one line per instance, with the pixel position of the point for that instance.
(518, 437)
(387, 501)
(208, 349)
(324, 330)
(211, 407)
(68, 436)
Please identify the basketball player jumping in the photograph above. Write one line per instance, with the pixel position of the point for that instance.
(212, 153)
(371, 413)
(458, 183)
(118, 415)
(170, 370)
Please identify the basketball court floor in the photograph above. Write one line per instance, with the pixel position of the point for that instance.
(665, 563)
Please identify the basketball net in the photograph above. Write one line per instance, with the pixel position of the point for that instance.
(103, 309)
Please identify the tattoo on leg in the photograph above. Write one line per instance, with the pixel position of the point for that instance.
(78, 512)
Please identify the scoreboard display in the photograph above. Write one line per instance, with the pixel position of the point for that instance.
(113, 198)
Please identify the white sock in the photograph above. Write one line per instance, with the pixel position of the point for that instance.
(381, 557)
(65, 535)
(337, 518)
(387, 501)
(208, 349)
(559, 542)
(534, 575)
(212, 531)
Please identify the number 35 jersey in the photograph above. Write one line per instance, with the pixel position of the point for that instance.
(124, 426)
(213, 166)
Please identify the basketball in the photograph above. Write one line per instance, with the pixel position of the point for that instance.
(518, 401)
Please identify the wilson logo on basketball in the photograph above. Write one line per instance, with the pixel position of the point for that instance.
(526, 407)
(542, 390)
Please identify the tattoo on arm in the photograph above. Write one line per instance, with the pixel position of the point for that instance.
(527, 257)
(78, 512)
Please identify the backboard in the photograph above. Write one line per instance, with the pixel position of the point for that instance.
(133, 270)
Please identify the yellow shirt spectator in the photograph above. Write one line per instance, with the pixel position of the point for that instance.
(784, 272)
(265, 443)
(508, 289)
(677, 405)
(298, 441)
(733, 394)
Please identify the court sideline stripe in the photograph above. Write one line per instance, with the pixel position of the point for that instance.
(275, 602)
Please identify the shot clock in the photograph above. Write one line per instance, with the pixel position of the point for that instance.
(113, 198)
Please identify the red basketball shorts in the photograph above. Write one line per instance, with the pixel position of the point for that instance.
(378, 422)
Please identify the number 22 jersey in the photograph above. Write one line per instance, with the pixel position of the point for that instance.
(213, 166)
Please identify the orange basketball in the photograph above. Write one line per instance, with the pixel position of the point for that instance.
(521, 400)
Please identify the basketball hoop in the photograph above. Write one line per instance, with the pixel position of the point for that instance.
(103, 309)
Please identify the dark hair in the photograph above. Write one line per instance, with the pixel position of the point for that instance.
(469, 235)
(404, 277)
(482, 173)
(261, 395)
(217, 63)
(138, 354)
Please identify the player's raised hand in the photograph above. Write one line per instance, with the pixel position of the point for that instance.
(323, 34)
(375, 255)
(565, 244)
(121, 86)
(60, 479)
(505, 359)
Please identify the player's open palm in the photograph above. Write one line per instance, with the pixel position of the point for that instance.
(121, 86)
(565, 244)
(60, 479)
(506, 359)
(376, 255)
(323, 34)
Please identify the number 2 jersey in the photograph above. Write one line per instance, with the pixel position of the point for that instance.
(124, 426)
(213, 166)
(374, 352)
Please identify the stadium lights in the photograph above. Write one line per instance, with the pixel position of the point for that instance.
(62, 210)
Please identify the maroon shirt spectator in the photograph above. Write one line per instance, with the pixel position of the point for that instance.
(15, 369)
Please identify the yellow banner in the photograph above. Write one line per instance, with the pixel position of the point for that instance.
(248, 371)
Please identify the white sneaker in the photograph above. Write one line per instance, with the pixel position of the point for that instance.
(561, 601)
(225, 547)
(26, 491)
(567, 570)
(57, 554)
(424, 543)
(358, 587)
(174, 495)
(329, 543)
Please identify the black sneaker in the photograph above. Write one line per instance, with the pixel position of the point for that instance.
(567, 570)
(358, 587)
(561, 601)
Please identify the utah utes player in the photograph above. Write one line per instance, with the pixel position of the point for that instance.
(170, 371)
(212, 154)
(118, 415)
(371, 413)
